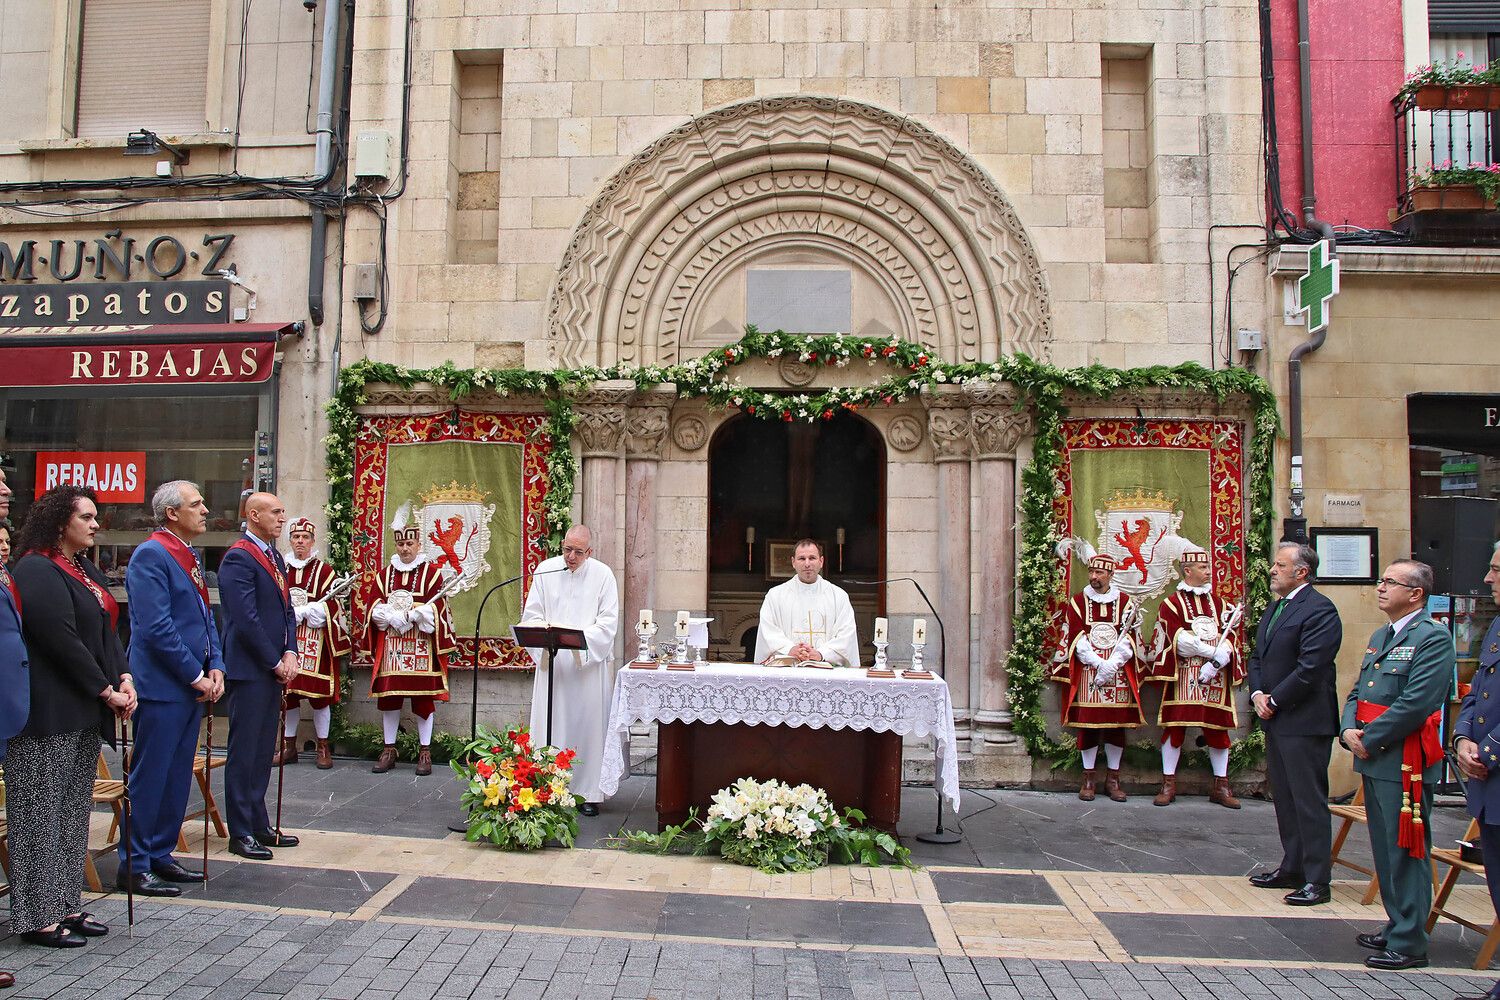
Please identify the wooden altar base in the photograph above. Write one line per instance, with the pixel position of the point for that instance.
(855, 767)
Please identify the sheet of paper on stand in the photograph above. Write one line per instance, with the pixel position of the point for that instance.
(698, 632)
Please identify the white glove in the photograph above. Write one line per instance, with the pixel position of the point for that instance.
(400, 622)
(1207, 673)
(1105, 677)
(381, 614)
(314, 614)
(1191, 645)
(424, 617)
(1088, 656)
(299, 613)
(1221, 653)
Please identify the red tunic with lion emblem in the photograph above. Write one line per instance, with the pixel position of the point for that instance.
(1099, 626)
(1194, 618)
(318, 649)
(413, 664)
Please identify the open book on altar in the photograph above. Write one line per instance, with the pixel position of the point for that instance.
(792, 661)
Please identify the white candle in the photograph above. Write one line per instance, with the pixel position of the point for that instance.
(645, 619)
(838, 535)
(880, 627)
(682, 624)
(750, 535)
(919, 630)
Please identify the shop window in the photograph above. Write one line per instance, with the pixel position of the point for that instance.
(142, 64)
(209, 440)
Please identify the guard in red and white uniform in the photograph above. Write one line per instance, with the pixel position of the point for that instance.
(322, 638)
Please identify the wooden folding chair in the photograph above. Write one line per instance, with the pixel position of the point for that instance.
(1353, 813)
(4, 855)
(107, 789)
(203, 769)
(1451, 857)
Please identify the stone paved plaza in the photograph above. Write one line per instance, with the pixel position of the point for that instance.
(1045, 897)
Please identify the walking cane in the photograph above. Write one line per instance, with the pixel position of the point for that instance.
(208, 774)
(124, 737)
(281, 768)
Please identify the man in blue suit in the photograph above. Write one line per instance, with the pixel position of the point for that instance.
(1292, 677)
(15, 680)
(1476, 745)
(174, 658)
(260, 653)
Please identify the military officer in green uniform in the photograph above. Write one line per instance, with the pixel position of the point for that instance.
(1390, 724)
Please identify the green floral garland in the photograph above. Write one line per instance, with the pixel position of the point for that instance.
(912, 369)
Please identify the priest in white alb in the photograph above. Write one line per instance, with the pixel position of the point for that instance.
(585, 597)
(807, 618)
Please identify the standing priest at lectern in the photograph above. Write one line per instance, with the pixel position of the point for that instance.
(807, 618)
(585, 597)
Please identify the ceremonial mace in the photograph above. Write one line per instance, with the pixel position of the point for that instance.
(281, 768)
(124, 737)
(208, 773)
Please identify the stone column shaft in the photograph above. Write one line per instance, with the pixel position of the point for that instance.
(948, 428)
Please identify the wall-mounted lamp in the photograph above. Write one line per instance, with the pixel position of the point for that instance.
(144, 142)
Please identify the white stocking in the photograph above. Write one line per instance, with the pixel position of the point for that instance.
(1090, 758)
(321, 719)
(391, 721)
(1169, 757)
(293, 716)
(1218, 759)
(1112, 755)
(424, 730)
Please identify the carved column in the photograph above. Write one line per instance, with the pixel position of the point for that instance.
(599, 420)
(997, 428)
(948, 427)
(646, 422)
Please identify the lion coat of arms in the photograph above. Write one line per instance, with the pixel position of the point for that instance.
(1138, 527)
(455, 522)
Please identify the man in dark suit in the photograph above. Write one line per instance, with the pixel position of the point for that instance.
(1390, 723)
(15, 678)
(1476, 746)
(260, 654)
(174, 658)
(1292, 681)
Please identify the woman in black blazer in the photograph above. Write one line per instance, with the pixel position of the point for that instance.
(80, 683)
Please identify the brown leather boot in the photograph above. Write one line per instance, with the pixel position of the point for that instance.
(1112, 785)
(325, 756)
(424, 761)
(287, 754)
(1221, 795)
(1086, 793)
(1168, 793)
(386, 762)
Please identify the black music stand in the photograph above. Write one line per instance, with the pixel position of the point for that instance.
(551, 638)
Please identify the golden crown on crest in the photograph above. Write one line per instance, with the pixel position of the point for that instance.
(453, 493)
(1139, 498)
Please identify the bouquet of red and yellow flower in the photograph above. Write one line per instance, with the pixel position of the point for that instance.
(516, 792)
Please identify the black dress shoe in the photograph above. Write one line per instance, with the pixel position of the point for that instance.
(1391, 961)
(85, 924)
(147, 884)
(171, 871)
(273, 839)
(588, 809)
(1310, 894)
(1374, 942)
(250, 849)
(57, 937)
(1276, 878)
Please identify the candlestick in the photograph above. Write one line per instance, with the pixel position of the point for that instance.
(679, 652)
(750, 535)
(644, 631)
(880, 629)
(919, 631)
(838, 535)
(646, 621)
(682, 624)
(880, 644)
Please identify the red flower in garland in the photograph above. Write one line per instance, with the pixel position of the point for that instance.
(565, 758)
(888, 350)
(729, 355)
(786, 415)
(750, 410)
(827, 414)
(868, 351)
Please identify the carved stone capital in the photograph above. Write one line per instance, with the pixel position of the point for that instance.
(599, 418)
(646, 422)
(948, 426)
(997, 430)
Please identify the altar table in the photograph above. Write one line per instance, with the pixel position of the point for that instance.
(834, 729)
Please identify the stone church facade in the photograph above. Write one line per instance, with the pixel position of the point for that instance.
(595, 184)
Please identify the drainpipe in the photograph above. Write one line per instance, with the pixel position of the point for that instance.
(1294, 527)
(323, 162)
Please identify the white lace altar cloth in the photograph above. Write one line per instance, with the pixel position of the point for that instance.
(782, 696)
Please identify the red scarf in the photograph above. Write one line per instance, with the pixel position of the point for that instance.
(105, 599)
(182, 553)
(259, 555)
(1420, 749)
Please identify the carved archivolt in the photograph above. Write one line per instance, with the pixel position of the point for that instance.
(877, 189)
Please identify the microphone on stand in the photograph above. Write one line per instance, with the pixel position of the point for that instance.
(461, 825)
(938, 836)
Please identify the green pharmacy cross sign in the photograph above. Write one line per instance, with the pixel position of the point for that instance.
(1317, 286)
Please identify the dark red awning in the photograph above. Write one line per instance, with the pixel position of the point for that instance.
(141, 355)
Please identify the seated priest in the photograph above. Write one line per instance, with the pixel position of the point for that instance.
(807, 619)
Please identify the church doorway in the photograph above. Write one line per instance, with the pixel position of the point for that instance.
(771, 483)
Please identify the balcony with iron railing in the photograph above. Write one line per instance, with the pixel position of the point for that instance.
(1448, 161)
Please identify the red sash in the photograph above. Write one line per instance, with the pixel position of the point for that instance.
(105, 599)
(10, 585)
(182, 553)
(1419, 749)
(259, 555)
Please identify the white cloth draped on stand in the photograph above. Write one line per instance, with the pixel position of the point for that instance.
(588, 599)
